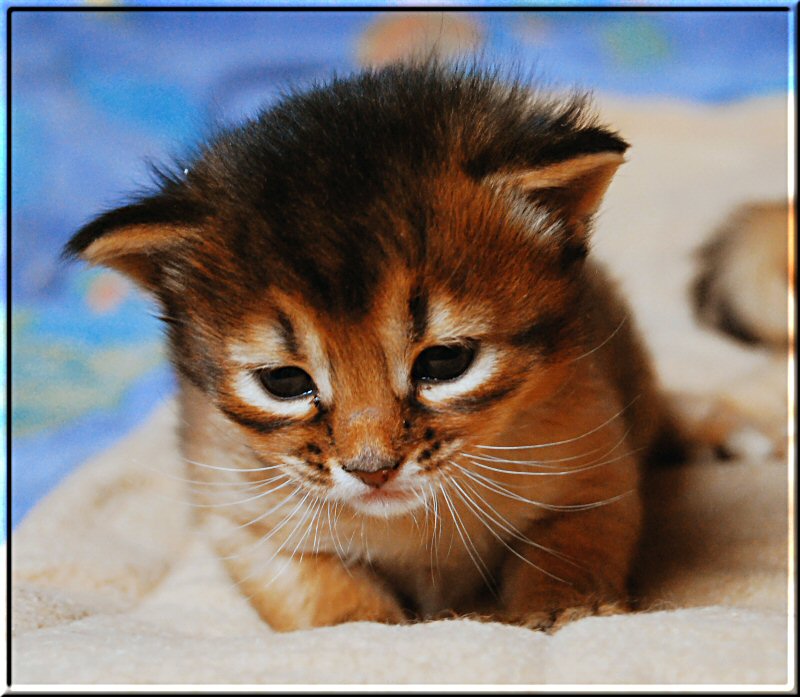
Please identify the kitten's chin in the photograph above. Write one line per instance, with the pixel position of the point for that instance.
(385, 504)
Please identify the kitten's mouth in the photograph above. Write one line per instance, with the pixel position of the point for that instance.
(385, 502)
(383, 494)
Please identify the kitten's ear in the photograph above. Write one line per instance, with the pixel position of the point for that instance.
(134, 239)
(571, 188)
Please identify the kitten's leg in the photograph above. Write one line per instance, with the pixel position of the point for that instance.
(594, 552)
(294, 591)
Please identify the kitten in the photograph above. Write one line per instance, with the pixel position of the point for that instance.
(419, 394)
(744, 278)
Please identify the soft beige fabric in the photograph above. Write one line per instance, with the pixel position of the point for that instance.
(113, 584)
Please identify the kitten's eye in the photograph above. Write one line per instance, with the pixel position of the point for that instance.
(287, 383)
(439, 363)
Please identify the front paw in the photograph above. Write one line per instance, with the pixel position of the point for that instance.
(386, 614)
(551, 620)
(359, 605)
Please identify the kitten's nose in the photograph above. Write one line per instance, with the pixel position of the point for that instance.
(373, 471)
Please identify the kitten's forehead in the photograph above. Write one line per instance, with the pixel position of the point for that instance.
(443, 234)
(405, 311)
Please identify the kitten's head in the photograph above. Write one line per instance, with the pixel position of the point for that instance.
(374, 273)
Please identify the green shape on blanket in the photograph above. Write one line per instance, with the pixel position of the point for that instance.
(636, 44)
(57, 381)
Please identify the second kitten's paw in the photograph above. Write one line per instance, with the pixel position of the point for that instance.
(732, 430)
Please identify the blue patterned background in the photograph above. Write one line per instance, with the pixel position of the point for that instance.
(96, 94)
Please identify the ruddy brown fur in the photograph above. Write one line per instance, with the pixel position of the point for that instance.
(341, 235)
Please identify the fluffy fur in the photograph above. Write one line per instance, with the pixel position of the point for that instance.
(743, 283)
(343, 233)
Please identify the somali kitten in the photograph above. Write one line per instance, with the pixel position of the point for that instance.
(405, 388)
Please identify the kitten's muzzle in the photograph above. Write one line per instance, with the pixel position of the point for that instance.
(373, 471)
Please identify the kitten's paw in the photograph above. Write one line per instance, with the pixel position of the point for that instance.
(386, 615)
(550, 621)
(362, 607)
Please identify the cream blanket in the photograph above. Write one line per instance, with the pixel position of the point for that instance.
(112, 583)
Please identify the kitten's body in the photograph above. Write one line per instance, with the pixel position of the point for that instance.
(383, 319)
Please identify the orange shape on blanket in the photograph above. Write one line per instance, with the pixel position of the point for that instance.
(106, 293)
(417, 34)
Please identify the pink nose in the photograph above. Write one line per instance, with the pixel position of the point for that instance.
(374, 479)
(374, 470)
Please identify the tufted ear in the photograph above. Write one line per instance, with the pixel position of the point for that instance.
(134, 239)
(571, 188)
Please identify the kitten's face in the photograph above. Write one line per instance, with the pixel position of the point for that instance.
(374, 274)
(367, 404)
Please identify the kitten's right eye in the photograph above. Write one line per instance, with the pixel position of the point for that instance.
(443, 363)
(288, 382)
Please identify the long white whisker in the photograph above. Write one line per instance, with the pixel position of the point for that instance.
(276, 507)
(261, 540)
(603, 343)
(452, 537)
(517, 534)
(260, 495)
(337, 543)
(498, 489)
(289, 559)
(469, 545)
(599, 462)
(314, 513)
(560, 442)
(560, 472)
(266, 562)
(479, 514)
(233, 469)
(436, 535)
(547, 464)
(201, 482)
(315, 545)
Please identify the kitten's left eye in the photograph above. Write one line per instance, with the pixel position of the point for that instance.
(440, 363)
(288, 382)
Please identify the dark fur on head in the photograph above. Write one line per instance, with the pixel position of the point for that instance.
(299, 150)
(316, 192)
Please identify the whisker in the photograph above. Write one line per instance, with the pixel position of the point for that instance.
(469, 545)
(288, 561)
(314, 514)
(272, 510)
(477, 512)
(452, 537)
(440, 520)
(335, 539)
(202, 483)
(557, 473)
(603, 343)
(315, 546)
(260, 495)
(261, 540)
(598, 462)
(561, 442)
(266, 562)
(547, 464)
(518, 535)
(498, 489)
(233, 469)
